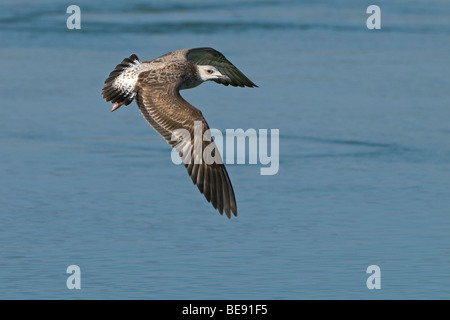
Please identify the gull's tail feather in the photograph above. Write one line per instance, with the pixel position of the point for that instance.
(119, 86)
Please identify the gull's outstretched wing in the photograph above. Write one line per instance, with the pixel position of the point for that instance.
(166, 111)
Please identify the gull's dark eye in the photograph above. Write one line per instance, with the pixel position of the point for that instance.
(209, 71)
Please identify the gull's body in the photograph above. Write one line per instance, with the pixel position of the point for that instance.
(155, 85)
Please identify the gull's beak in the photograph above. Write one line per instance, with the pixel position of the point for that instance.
(224, 77)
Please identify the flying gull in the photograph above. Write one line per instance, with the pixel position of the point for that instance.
(155, 84)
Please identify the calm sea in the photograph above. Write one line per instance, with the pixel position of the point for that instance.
(364, 173)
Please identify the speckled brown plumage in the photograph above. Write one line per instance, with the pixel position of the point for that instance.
(155, 85)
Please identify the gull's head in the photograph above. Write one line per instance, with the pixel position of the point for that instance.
(210, 73)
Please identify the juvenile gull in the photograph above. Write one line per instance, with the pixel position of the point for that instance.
(155, 84)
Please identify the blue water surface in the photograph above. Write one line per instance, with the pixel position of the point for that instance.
(364, 173)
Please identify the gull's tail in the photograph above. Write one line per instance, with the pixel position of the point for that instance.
(120, 85)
